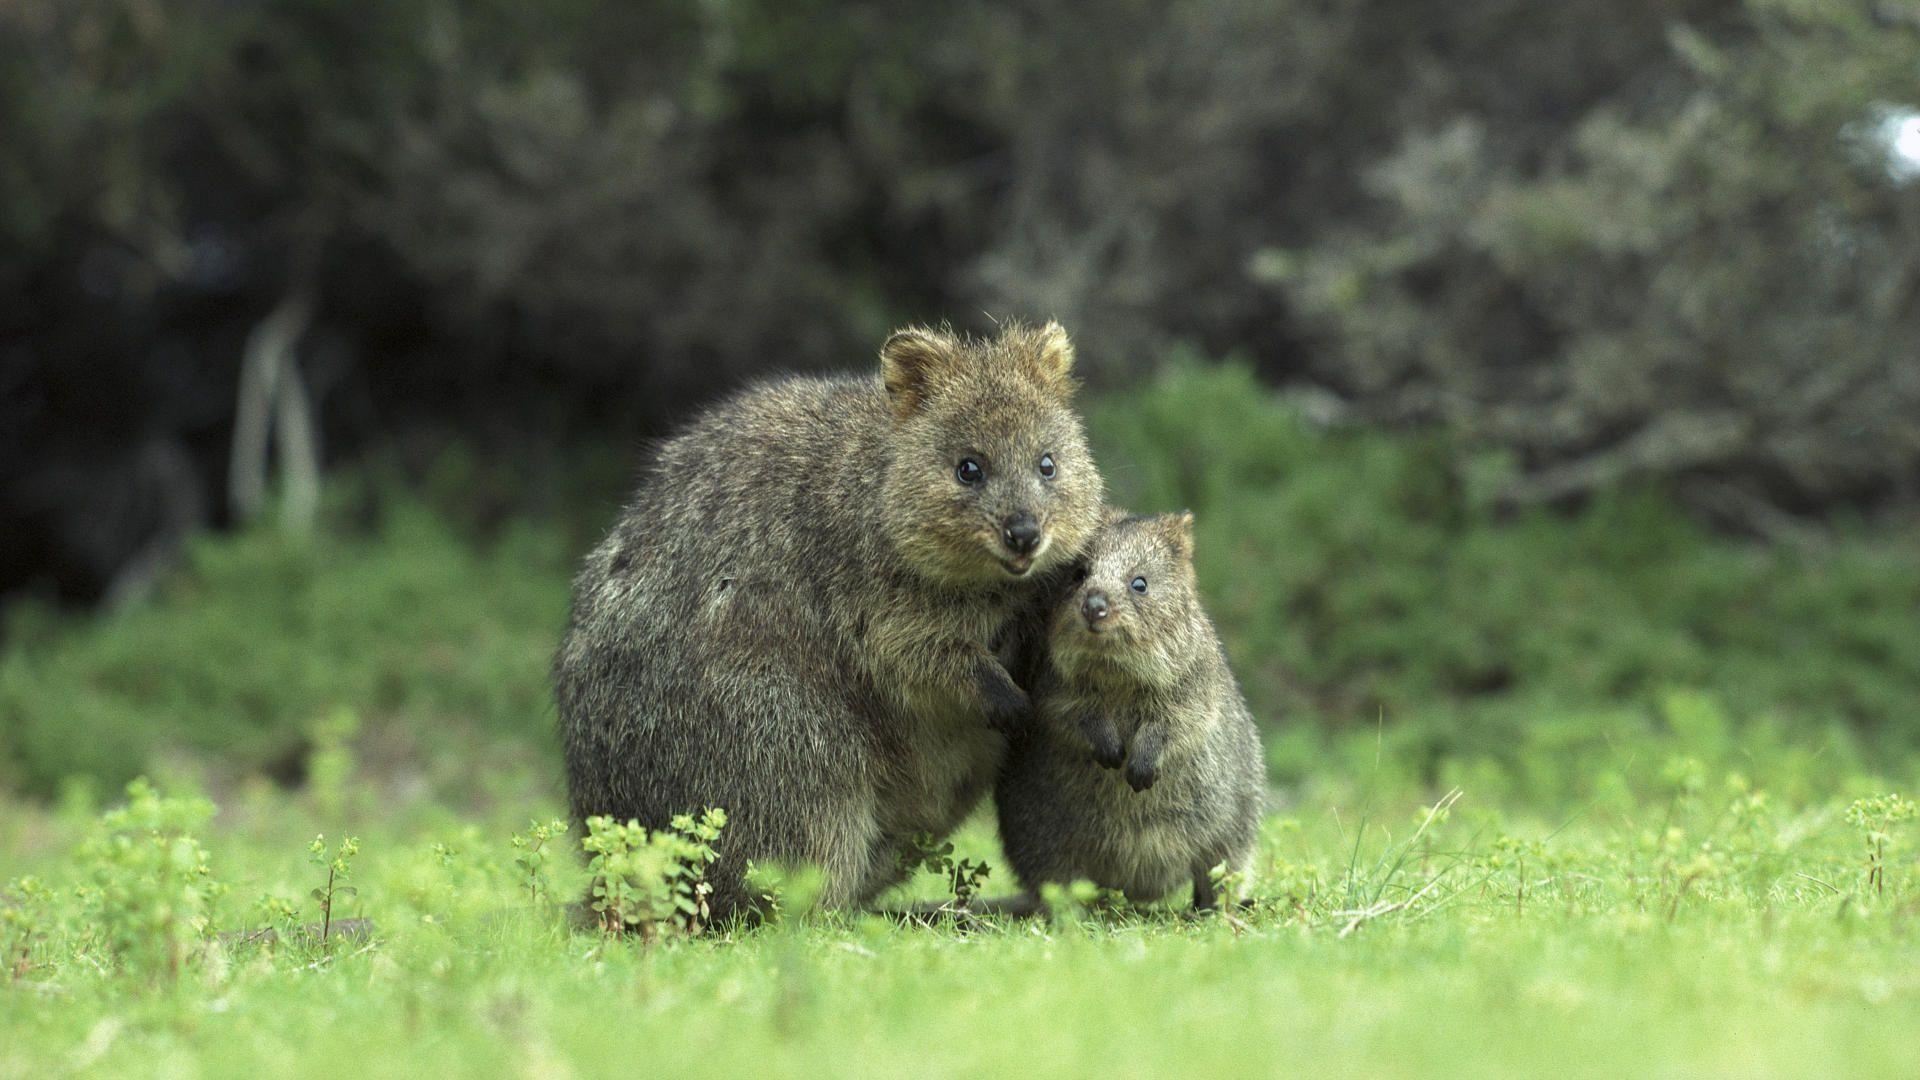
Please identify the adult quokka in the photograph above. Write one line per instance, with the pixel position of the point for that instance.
(802, 616)
(1144, 771)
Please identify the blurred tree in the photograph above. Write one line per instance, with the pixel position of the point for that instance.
(1620, 239)
(1706, 273)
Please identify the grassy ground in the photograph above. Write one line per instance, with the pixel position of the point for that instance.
(1711, 931)
(1663, 857)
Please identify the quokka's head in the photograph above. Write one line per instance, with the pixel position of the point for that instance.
(988, 475)
(1133, 610)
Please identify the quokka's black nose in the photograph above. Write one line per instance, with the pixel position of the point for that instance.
(1022, 534)
(1094, 607)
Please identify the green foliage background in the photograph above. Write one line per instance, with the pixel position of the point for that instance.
(1618, 240)
(1366, 585)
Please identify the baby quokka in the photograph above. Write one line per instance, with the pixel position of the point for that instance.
(1144, 771)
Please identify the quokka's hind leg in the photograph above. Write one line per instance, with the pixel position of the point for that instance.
(1205, 896)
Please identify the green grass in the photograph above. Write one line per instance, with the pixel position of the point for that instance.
(1657, 734)
(1712, 932)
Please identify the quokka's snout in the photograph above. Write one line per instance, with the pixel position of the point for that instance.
(1021, 534)
(1095, 608)
(1021, 540)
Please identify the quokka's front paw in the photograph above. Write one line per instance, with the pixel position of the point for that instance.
(1108, 752)
(1007, 706)
(1141, 775)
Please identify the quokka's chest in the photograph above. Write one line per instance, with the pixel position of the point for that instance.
(1061, 707)
(899, 633)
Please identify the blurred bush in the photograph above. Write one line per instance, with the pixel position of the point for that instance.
(1360, 578)
(262, 646)
(1707, 270)
(1620, 240)
(1356, 577)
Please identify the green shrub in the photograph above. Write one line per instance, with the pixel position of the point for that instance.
(1366, 585)
(651, 882)
(146, 903)
(1359, 578)
(261, 644)
(1685, 274)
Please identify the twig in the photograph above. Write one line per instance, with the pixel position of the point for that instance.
(1377, 910)
(1446, 803)
(330, 958)
(1817, 881)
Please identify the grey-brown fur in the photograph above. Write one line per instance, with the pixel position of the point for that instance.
(1145, 769)
(797, 617)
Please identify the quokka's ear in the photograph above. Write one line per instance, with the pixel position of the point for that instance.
(1179, 532)
(1050, 354)
(910, 362)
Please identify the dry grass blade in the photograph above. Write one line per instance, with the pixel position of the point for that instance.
(1355, 918)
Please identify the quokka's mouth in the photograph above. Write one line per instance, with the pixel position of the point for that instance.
(1020, 563)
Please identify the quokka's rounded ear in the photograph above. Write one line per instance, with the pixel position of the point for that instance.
(1179, 530)
(910, 362)
(1053, 357)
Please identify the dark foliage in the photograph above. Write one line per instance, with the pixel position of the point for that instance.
(1621, 240)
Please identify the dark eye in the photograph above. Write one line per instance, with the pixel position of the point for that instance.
(1046, 466)
(1139, 584)
(1079, 575)
(969, 471)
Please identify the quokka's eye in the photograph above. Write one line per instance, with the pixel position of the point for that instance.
(969, 471)
(1046, 466)
(1080, 575)
(1138, 584)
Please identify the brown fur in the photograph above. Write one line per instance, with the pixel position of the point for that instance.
(1145, 769)
(800, 615)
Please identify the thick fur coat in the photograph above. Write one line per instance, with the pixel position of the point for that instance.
(1145, 770)
(803, 613)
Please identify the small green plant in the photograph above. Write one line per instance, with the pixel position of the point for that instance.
(1228, 884)
(1296, 885)
(1876, 819)
(964, 877)
(25, 914)
(339, 866)
(279, 914)
(652, 882)
(533, 856)
(1508, 854)
(147, 901)
(784, 891)
(1070, 903)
